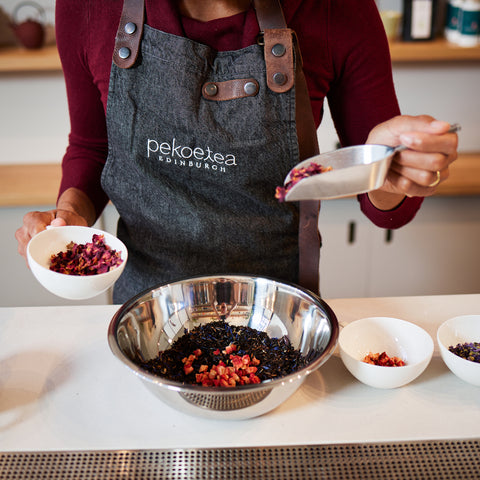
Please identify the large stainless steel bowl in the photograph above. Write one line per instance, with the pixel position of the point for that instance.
(153, 320)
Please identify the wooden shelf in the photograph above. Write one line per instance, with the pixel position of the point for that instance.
(433, 51)
(37, 184)
(14, 59)
(464, 177)
(34, 184)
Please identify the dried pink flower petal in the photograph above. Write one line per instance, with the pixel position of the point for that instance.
(297, 175)
(86, 259)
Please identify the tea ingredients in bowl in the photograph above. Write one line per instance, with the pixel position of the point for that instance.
(297, 175)
(91, 258)
(222, 355)
(468, 351)
(383, 360)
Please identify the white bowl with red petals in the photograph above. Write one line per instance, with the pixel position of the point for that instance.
(75, 262)
(401, 341)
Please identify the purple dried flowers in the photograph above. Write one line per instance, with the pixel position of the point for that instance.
(468, 351)
(297, 175)
(90, 258)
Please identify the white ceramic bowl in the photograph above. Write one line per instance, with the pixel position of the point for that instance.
(73, 287)
(465, 328)
(384, 334)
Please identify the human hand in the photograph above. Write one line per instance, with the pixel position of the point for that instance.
(418, 170)
(73, 208)
(35, 222)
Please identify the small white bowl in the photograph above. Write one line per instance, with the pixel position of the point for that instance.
(465, 328)
(73, 287)
(384, 334)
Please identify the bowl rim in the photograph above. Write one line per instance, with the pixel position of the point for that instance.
(444, 350)
(453, 320)
(93, 230)
(268, 384)
(426, 357)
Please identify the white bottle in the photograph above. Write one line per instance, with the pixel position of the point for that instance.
(469, 24)
(419, 20)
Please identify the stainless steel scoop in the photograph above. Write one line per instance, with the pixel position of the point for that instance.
(355, 170)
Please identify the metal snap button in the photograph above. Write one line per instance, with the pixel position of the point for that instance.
(279, 78)
(250, 88)
(211, 89)
(130, 28)
(278, 50)
(124, 52)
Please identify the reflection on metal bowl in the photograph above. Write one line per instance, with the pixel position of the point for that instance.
(153, 320)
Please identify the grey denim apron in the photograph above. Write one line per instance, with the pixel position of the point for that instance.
(198, 141)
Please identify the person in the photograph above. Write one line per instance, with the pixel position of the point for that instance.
(185, 133)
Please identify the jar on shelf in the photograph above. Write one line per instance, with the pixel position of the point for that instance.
(452, 20)
(419, 20)
(469, 24)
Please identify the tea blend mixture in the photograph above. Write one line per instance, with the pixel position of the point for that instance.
(219, 354)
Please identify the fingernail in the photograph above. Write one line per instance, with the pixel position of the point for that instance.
(439, 125)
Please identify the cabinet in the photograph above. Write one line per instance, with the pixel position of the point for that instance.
(436, 253)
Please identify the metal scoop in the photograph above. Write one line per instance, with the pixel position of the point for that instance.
(355, 170)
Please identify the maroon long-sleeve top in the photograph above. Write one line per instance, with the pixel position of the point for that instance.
(345, 55)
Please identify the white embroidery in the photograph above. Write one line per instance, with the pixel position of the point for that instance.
(176, 153)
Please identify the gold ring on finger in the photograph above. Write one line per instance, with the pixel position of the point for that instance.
(436, 181)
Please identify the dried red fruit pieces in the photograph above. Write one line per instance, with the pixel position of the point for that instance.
(383, 360)
(272, 357)
(86, 259)
(297, 175)
(241, 370)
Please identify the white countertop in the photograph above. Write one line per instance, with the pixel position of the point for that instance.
(62, 389)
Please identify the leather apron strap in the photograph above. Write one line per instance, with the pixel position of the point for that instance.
(129, 33)
(277, 38)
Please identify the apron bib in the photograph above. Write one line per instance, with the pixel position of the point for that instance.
(198, 141)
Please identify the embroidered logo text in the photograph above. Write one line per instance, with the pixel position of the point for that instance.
(186, 156)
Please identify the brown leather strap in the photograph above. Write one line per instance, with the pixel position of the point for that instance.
(278, 45)
(269, 14)
(279, 59)
(309, 237)
(270, 18)
(129, 33)
(230, 89)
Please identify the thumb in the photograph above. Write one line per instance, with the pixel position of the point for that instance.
(438, 126)
(58, 222)
(423, 123)
(417, 130)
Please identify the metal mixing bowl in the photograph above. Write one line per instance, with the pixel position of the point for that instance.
(153, 320)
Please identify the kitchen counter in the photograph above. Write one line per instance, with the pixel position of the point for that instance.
(61, 389)
(37, 184)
